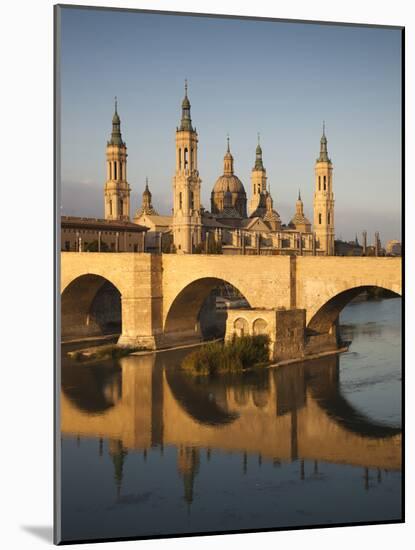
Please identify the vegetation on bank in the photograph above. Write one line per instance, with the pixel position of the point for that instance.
(237, 355)
(100, 353)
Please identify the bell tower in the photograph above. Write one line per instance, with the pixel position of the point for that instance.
(324, 201)
(187, 228)
(258, 181)
(117, 190)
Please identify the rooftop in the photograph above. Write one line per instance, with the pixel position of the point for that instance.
(99, 223)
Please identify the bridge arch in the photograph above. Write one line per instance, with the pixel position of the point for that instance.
(325, 316)
(184, 314)
(90, 306)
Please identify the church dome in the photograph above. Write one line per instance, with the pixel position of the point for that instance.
(232, 182)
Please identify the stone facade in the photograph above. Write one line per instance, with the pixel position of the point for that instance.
(97, 235)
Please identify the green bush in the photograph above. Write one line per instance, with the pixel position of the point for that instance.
(93, 247)
(237, 355)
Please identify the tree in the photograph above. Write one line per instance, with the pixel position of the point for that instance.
(93, 247)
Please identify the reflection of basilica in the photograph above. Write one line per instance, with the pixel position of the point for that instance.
(279, 415)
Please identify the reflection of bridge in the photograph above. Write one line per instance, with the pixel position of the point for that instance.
(280, 414)
(162, 295)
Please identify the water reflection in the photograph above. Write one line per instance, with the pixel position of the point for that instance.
(297, 419)
(292, 412)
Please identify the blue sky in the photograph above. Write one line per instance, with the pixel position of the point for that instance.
(245, 76)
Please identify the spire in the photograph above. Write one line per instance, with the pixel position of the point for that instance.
(228, 160)
(299, 207)
(186, 121)
(147, 190)
(146, 205)
(258, 160)
(118, 454)
(323, 147)
(116, 138)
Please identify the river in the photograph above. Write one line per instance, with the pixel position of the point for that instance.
(150, 451)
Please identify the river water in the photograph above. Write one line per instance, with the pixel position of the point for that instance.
(150, 451)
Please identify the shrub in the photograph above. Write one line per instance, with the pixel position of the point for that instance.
(237, 355)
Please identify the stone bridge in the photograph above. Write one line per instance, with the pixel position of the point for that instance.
(162, 295)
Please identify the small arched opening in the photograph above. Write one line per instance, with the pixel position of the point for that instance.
(241, 327)
(259, 326)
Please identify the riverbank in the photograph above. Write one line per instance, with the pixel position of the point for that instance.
(103, 352)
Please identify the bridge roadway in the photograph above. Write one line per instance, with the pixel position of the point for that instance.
(161, 295)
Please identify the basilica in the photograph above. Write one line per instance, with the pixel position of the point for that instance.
(234, 224)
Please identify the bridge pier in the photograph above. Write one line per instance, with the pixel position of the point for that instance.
(137, 328)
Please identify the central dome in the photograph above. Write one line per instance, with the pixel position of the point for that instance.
(233, 182)
(228, 183)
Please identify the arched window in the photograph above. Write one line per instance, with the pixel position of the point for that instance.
(110, 208)
(121, 207)
(192, 200)
(328, 218)
(241, 327)
(180, 201)
(115, 170)
(121, 171)
(319, 219)
(324, 183)
(191, 158)
(185, 158)
(180, 159)
(259, 326)
(319, 183)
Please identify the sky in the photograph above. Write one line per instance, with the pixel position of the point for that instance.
(245, 76)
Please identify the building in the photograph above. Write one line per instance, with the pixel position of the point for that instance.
(117, 191)
(97, 235)
(394, 248)
(235, 225)
(159, 237)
